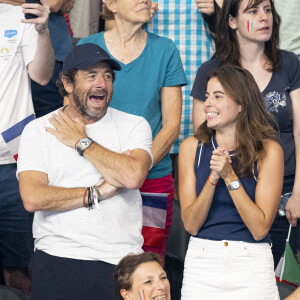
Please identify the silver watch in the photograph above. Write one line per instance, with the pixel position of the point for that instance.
(234, 185)
(83, 144)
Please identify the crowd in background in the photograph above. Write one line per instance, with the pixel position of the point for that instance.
(223, 76)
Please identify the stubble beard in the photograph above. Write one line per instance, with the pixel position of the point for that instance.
(85, 112)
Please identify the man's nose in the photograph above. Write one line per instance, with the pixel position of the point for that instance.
(100, 81)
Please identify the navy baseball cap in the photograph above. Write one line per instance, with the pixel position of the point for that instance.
(86, 55)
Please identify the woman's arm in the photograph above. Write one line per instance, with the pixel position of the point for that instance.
(198, 113)
(194, 210)
(259, 215)
(171, 104)
(293, 206)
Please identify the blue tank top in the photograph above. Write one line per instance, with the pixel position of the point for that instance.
(223, 221)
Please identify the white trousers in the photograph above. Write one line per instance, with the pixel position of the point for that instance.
(228, 270)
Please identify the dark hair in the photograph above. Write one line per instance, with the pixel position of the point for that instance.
(70, 76)
(227, 46)
(126, 267)
(253, 127)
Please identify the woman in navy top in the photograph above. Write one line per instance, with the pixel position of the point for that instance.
(230, 181)
(248, 36)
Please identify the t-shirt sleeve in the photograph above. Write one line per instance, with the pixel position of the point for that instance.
(293, 68)
(175, 73)
(29, 43)
(199, 87)
(139, 137)
(31, 154)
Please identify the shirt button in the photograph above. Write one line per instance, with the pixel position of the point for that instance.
(225, 244)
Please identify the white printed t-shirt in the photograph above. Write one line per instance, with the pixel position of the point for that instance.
(17, 50)
(80, 233)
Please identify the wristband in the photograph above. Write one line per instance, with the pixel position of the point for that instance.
(211, 182)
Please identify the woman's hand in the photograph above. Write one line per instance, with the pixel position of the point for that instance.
(220, 163)
(154, 8)
(292, 209)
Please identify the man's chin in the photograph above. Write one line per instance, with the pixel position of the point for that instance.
(96, 114)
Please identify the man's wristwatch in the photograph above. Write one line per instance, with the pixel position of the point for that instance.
(234, 185)
(83, 144)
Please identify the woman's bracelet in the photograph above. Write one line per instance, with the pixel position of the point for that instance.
(211, 182)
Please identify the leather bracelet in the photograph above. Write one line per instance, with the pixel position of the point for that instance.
(211, 182)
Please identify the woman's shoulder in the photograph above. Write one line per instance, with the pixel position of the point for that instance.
(160, 40)
(95, 38)
(189, 144)
(272, 145)
(273, 150)
(288, 59)
(209, 65)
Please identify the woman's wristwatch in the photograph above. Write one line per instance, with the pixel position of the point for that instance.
(234, 185)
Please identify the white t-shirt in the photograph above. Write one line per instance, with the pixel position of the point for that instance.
(17, 50)
(80, 233)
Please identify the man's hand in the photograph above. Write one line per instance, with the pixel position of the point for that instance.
(206, 6)
(66, 130)
(41, 11)
(292, 209)
(154, 8)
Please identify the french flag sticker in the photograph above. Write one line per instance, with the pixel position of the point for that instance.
(154, 218)
(12, 135)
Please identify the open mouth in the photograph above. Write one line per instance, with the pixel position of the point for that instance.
(96, 99)
(212, 114)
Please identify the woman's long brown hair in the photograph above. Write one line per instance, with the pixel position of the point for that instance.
(253, 127)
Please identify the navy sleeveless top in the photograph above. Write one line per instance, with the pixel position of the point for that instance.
(223, 221)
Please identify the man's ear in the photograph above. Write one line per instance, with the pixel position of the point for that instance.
(69, 87)
(232, 22)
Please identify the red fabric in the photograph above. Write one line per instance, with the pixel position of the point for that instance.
(67, 18)
(153, 236)
(159, 185)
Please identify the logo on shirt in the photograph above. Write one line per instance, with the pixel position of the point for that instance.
(4, 51)
(274, 100)
(10, 33)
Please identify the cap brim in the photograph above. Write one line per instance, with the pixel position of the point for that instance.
(93, 60)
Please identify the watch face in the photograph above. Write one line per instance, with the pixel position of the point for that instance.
(235, 184)
(85, 142)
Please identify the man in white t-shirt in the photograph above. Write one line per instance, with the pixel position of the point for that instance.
(25, 51)
(70, 160)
